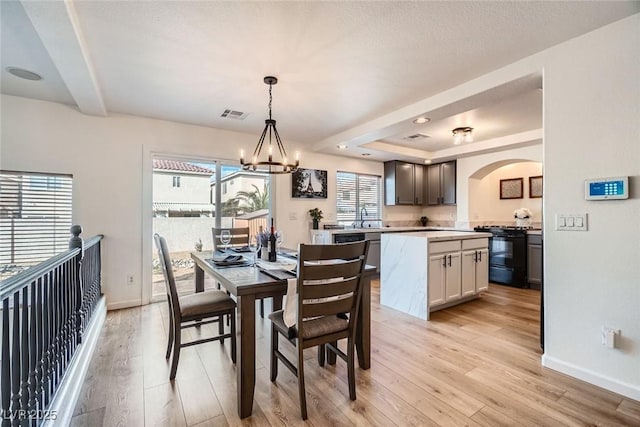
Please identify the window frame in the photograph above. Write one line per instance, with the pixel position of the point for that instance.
(357, 215)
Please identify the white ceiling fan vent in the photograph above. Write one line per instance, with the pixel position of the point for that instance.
(417, 136)
(233, 114)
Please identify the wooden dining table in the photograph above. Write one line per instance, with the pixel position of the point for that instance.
(248, 283)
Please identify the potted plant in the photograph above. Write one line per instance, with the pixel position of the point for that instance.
(316, 216)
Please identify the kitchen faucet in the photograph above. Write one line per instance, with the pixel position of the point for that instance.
(363, 209)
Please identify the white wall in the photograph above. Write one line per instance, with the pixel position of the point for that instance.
(591, 128)
(292, 215)
(193, 188)
(484, 194)
(470, 172)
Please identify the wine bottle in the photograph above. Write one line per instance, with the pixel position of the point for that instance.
(272, 244)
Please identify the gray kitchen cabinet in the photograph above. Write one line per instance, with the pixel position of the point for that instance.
(534, 261)
(441, 184)
(403, 183)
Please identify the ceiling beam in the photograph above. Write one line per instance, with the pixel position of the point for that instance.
(57, 26)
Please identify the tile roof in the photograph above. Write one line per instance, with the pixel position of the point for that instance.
(176, 165)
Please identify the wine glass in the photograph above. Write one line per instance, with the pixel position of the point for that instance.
(279, 238)
(254, 247)
(225, 238)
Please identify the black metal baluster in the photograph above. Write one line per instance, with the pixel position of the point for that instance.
(24, 350)
(5, 381)
(47, 326)
(15, 359)
(34, 335)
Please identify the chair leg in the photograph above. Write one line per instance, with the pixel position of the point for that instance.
(301, 393)
(274, 347)
(232, 316)
(170, 339)
(321, 351)
(351, 371)
(262, 308)
(331, 356)
(176, 350)
(221, 327)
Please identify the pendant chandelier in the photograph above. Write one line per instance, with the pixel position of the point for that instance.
(272, 166)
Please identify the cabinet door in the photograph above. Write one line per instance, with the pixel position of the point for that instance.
(468, 273)
(433, 184)
(436, 279)
(373, 257)
(482, 270)
(448, 183)
(534, 264)
(418, 185)
(404, 183)
(453, 284)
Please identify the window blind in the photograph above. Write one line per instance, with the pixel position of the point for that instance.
(35, 217)
(355, 192)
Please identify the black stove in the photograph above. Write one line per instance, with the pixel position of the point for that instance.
(507, 254)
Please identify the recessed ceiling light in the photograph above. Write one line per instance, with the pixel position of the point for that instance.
(24, 74)
(366, 154)
(421, 120)
(342, 147)
(427, 161)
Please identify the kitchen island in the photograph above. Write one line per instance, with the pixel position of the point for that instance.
(422, 272)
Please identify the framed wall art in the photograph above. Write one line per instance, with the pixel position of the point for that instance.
(309, 184)
(511, 188)
(535, 187)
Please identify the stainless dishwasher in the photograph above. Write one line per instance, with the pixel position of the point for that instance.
(373, 258)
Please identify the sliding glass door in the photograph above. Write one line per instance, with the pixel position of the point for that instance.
(192, 197)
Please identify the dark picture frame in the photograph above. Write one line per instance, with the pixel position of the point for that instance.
(511, 188)
(535, 187)
(309, 184)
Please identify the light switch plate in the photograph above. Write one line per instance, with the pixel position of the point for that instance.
(293, 216)
(571, 222)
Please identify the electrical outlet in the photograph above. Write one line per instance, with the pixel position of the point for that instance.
(608, 336)
(293, 216)
(129, 279)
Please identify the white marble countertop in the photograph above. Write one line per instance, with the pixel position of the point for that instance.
(394, 229)
(436, 236)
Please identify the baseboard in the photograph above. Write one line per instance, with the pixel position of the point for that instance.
(631, 391)
(64, 402)
(124, 304)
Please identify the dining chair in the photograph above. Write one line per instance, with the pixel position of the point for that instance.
(239, 238)
(329, 289)
(193, 310)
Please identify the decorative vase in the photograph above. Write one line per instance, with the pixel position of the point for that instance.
(315, 224)
(523, 222)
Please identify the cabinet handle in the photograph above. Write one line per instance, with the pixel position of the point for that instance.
(449, 260)
(475, 256)
(444, 261)
(480, 256)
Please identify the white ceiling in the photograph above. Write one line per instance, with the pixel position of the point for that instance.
(340, 64)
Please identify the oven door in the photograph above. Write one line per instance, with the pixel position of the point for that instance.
(505, 250)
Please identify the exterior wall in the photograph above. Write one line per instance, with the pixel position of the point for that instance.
(183, 233)
(193, 188)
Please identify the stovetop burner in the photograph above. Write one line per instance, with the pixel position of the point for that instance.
(502, 227)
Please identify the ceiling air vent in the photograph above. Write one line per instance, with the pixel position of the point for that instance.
(417, 136)
(233, 114)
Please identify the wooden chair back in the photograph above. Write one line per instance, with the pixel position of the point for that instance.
(167, 271)
(329, 279)
(239, 237)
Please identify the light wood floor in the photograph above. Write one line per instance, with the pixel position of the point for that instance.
(475, 364)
